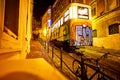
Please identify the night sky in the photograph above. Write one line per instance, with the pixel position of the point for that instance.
(40, 6)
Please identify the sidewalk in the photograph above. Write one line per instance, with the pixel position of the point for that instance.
(36, 66)
(29, 69)
(37, 51)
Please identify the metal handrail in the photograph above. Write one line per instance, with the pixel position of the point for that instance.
(84, 59)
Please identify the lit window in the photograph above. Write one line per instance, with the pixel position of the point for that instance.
(49, 11)
(70, 12)
(114, 29)
(66, 16)
(61, 21)
(83, 12)
(49, 23)
(73, 12)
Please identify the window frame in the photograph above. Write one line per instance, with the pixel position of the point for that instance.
(113, 29)
(84, 15)
(11, 18)
(94, 33)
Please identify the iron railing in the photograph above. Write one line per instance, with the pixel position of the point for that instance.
(83, 63)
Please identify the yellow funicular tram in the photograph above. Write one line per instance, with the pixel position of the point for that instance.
(73, 25)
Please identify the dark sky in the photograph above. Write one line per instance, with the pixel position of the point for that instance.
(40, 6)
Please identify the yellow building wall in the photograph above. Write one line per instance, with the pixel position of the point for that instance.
(111, 42)
(25, 26)
(22, 44)
(2, 2)
(103, 38)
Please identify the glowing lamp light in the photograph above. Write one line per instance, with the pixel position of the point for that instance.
(84, 25)
(44, 32)
(49, 23)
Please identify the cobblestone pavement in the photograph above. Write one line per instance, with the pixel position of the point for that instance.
(38, 51)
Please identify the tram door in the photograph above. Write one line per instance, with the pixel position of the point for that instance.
(83, 36)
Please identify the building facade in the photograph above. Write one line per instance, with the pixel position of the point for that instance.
(106, 23)
(15, 28)
(46, 24)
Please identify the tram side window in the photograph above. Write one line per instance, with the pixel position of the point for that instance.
(83, 12)
(94, 33)
(114, 29)
(93, 11)
(64, 31)
(66, 16)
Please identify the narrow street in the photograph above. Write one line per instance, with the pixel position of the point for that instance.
(59, 39)
(38, 51)
(36, 66)
(110, 64)
(53, 57)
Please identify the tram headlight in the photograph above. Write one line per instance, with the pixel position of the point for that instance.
(84, 25)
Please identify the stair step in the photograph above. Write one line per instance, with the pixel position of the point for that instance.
(7, 54)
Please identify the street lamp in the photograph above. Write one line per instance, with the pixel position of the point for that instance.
(45, 36)
(45, 32)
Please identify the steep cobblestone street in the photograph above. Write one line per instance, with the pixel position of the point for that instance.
(38, 51)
